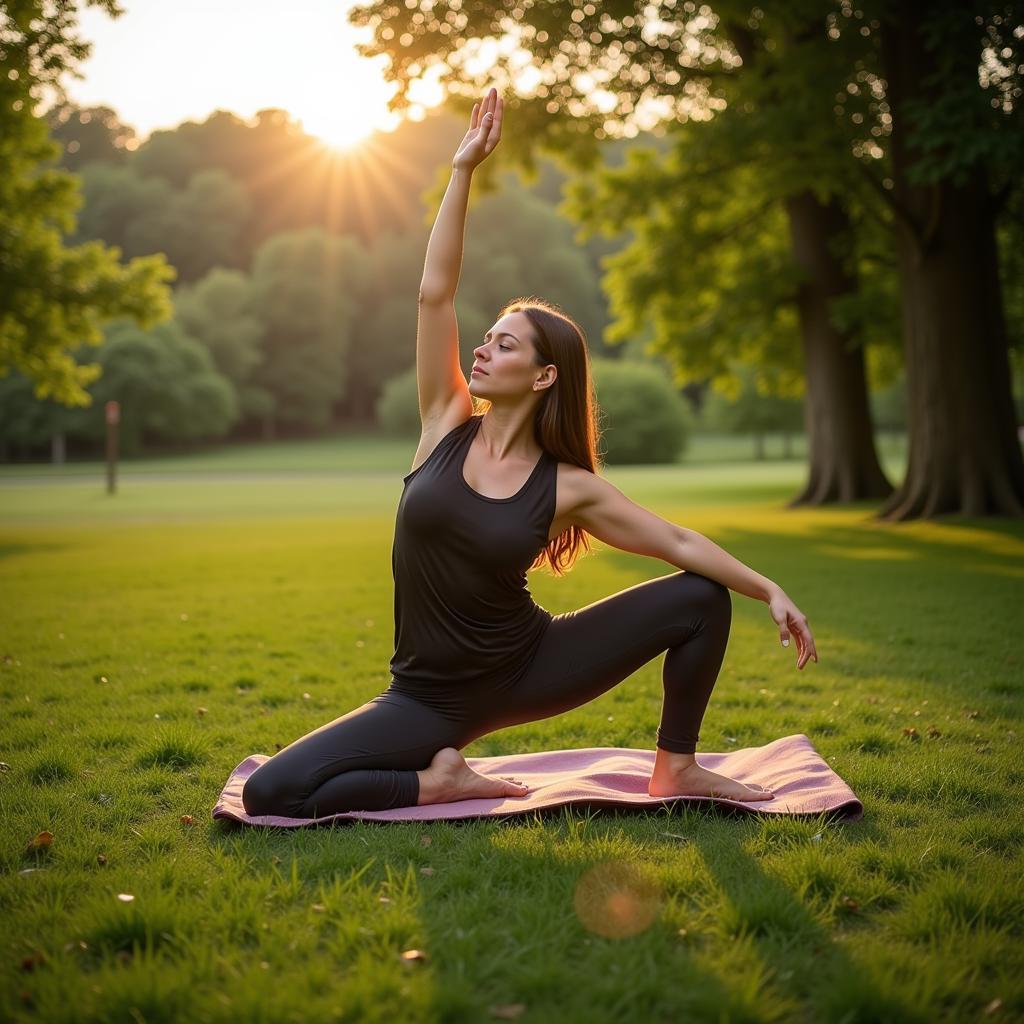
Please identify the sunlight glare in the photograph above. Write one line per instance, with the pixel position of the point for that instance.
(340, 132)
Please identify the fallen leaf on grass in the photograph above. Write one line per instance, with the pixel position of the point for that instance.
(42, 840)
(32, 961)
(187, 819)
(511, 1012)
(101, 858)
(911, 732)
(426, 871)
(125, 897)
(413, 955)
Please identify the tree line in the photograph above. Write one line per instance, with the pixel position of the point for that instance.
(829, 201)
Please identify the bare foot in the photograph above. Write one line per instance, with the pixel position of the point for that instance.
(449, 778)
(693, 780)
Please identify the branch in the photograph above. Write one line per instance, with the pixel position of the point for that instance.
(901, 213)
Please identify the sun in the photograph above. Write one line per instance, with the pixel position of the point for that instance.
(347, 110)
(342, 131)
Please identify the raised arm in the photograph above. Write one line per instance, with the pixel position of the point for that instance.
(438, 373)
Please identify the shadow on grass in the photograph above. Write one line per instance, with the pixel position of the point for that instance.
(528, 921)
(13, 549)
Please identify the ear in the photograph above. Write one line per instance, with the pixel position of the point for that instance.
(548, 379)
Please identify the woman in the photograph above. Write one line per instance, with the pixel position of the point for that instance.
(489, 497)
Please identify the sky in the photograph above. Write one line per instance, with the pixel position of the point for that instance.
(167, 61)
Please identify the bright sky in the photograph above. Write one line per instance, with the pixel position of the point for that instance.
(167, 61)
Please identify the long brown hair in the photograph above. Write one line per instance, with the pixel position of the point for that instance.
(566, 423)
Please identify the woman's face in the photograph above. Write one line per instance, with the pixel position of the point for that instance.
(505, 359)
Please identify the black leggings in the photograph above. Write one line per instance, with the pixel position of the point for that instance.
(368, 759)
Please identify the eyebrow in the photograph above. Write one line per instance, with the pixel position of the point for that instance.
(505, 333)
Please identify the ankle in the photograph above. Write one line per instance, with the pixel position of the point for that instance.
(669, 761)
(430, 788)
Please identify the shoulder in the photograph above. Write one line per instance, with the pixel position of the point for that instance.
(434, 434)
(578, 488)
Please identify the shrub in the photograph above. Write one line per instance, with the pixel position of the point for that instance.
(643, 418)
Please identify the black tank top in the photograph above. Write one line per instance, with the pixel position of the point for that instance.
(463, 611)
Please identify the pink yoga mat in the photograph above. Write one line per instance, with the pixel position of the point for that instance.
(613, 776)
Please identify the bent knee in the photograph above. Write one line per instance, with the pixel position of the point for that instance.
(712, 598)
(263, 794)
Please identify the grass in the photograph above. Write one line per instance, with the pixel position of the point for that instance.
(153, 639)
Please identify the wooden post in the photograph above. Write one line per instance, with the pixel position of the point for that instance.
(113, 410)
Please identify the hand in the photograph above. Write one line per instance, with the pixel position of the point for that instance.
(790, 619)
(483, 135)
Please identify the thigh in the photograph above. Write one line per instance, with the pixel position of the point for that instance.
(390, 731)
(586, 652)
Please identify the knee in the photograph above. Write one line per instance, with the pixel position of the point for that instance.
(263, 793)
(712, 599)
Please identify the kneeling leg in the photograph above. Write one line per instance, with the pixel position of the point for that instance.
(366, 760)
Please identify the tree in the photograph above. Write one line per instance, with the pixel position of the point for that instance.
(220, 312)
(736, 83)
(53, 297)
(598, 66)
(89, 135)
(165, 382)
(307, 290)
(197, 228)
(957, 148)
(752, 410)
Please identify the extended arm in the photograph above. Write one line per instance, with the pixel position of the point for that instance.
(601, 509)
(443, 262)
(440, 382)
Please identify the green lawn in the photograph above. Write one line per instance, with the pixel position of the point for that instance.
(223, 603)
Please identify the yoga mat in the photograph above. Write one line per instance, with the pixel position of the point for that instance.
(612, 776)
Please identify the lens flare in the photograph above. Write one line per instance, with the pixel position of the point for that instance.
(613, 899)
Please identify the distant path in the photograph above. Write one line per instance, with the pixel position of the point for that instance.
(227, 476)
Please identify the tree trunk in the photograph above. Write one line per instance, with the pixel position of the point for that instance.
(759, 446)
(963, 453)
(844, 465)
(57, 448)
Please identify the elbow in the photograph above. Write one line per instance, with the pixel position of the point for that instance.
(432, 294)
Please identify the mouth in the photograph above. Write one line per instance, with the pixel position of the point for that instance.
(475, 370)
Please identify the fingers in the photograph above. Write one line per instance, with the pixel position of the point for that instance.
(808, 649)
(490, 118)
